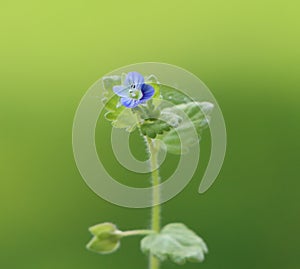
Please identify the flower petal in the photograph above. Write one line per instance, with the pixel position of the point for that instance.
(128, 102)
(147, 91)
(121, 91)
(134, 78)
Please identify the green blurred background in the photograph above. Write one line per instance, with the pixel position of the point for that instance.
(247, 52)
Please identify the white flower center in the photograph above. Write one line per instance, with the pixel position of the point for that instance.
(134, 92)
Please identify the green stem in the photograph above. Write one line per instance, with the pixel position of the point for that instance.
(133, 232)
(155, 213)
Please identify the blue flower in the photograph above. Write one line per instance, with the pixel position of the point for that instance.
(134, 91)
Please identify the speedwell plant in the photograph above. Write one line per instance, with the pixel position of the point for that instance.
(136, 102)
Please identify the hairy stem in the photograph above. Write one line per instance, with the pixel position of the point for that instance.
(155, 213)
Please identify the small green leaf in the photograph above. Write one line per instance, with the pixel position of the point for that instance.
(175, 242)
(102, 228)
(110, 81)
(106, 238)
(110, 100)
(120, 117)
(112, 104)
(147, 111)
(154, 127)
(126, 120)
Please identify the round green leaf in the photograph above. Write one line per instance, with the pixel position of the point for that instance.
(175, 242)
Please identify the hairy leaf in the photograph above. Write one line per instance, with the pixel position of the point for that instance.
(175, 242)
(153, 127)
(186, 124)
(173, 95)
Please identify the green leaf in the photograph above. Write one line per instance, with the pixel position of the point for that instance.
(194, 111)
(106, 238)
(172, 119)
(120, 116)
(110, 100)
(126, 120)
(173, 95)
(110, 81)
(147, 111)
(175, 242)
(153, 127)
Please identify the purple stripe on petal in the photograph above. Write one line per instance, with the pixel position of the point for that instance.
(134, 78)
(147, 91)
(128, 102)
